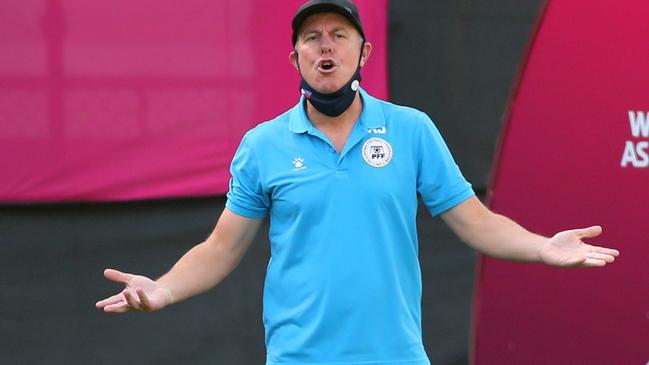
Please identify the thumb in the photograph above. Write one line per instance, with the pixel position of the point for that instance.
(117, 276)
(590, 232)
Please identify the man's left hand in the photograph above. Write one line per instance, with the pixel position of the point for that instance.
(566, 249)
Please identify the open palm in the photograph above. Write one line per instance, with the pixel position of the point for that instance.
(141, 293)
(567, 249)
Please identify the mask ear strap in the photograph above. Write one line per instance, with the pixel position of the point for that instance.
(360, 57)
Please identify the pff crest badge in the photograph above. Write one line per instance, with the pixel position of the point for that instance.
(377, 152)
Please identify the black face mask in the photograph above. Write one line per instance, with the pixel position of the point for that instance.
(335, 103)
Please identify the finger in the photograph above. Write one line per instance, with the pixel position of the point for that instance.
(130, 299)
(606, 251)
(600, 256)
(108, 301)
(144, 299)
(117, 308)
(118, 276)
(574, 261)
(594, 263)
(590, 232)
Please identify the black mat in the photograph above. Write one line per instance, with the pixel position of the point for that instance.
(52, 259)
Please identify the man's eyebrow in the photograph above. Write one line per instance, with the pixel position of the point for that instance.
(317, 31)
(308, 31)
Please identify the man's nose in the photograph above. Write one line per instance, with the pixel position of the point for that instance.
(326, 44)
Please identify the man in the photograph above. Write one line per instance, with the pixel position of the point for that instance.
(339, 175)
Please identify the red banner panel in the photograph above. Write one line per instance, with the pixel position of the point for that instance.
(574, 153)
(123, 100)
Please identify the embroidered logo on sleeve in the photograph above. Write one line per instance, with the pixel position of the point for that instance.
(377, 152)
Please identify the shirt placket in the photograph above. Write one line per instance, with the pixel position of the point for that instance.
(336, 160)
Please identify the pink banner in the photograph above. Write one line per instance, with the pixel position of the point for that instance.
(574, 153)
(125, 100)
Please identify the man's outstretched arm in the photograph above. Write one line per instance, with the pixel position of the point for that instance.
(498, 236)
(200, 269)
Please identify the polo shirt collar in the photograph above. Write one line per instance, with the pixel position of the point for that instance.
(298, 121)
(371, 117)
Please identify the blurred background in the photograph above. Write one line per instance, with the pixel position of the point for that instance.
(117, 125)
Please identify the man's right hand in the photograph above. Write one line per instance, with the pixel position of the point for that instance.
(200, 269)
(141, 293)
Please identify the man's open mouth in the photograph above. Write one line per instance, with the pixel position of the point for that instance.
(327, 65)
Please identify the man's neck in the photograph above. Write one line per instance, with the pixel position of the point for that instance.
(347, 119)
(337, 129)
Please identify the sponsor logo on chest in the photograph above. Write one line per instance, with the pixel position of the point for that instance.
(381, 130)
(298, 164)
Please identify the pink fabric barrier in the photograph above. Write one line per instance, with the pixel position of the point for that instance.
(125, 100)
(574, 153)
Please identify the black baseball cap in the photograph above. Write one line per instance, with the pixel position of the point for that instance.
(345, 8)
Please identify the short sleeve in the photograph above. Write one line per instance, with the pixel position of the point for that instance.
(440, 183)
(246, 195)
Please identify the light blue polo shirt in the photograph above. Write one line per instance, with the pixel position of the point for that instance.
(343, 285)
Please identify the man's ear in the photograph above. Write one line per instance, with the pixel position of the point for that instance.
(365, 53)
(292, 58)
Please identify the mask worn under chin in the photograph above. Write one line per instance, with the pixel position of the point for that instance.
(335, 103)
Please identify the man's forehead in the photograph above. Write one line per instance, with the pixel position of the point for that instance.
(329, 19)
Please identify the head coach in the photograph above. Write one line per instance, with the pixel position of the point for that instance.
(339, 176)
